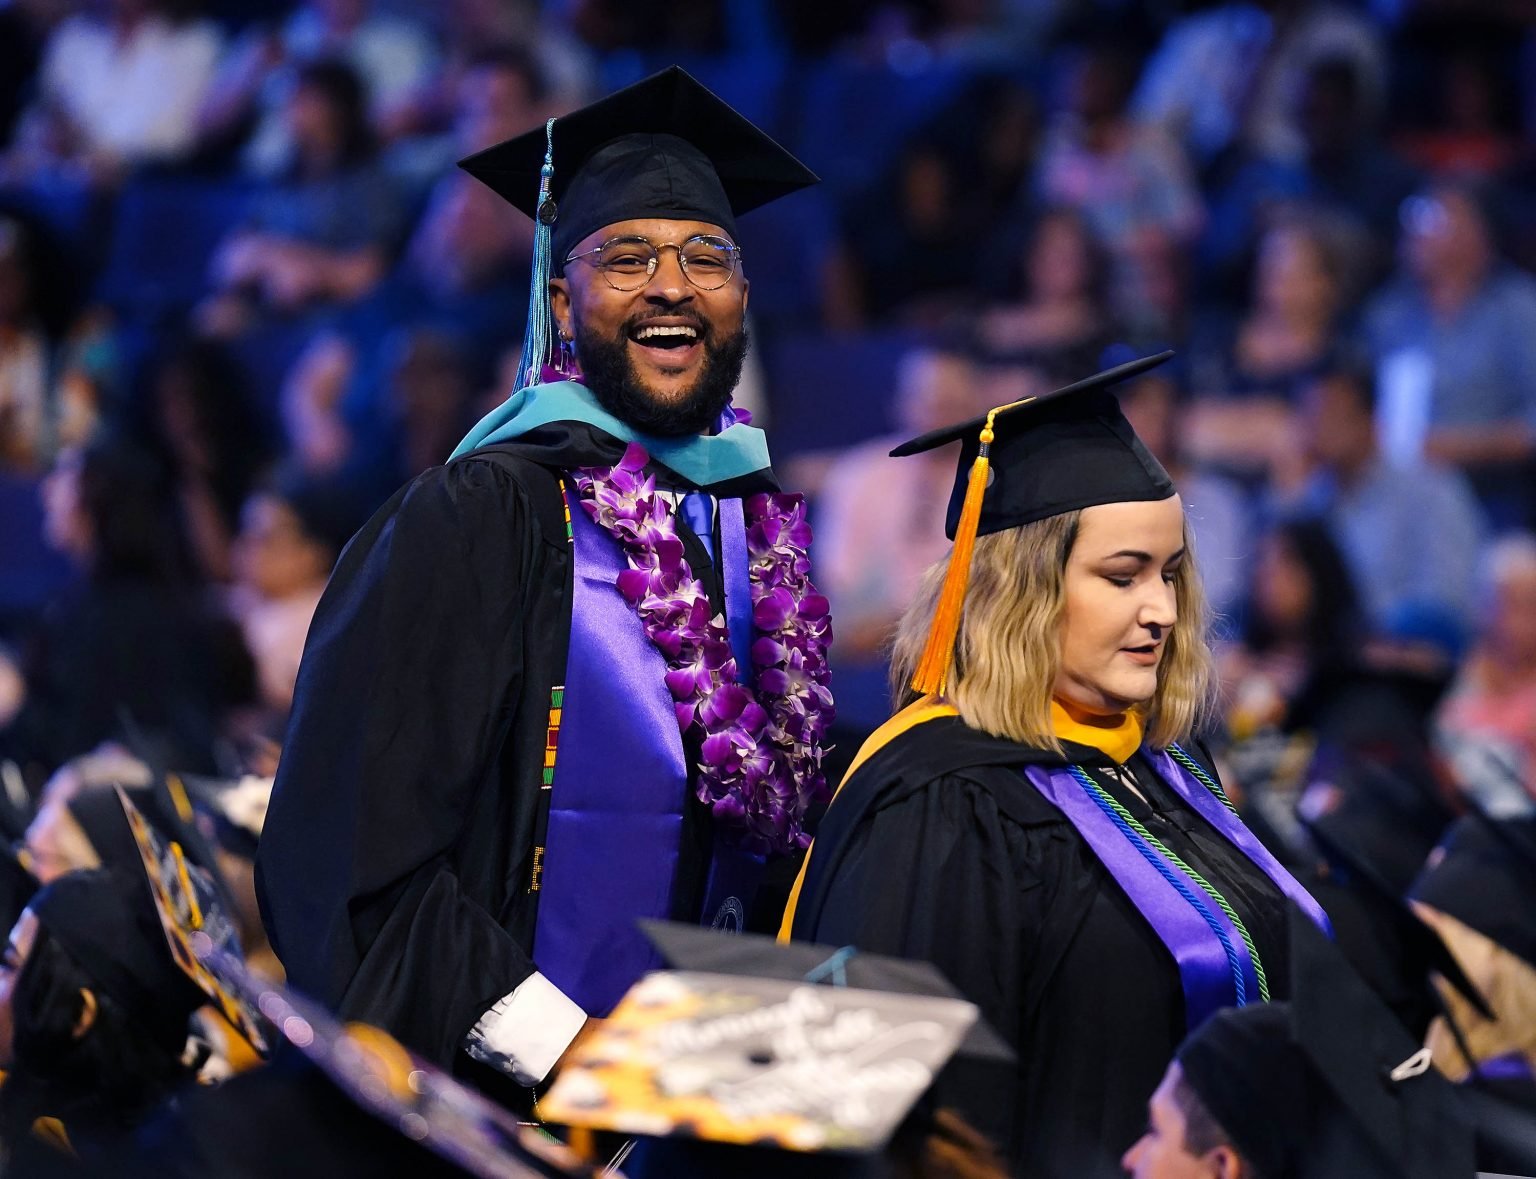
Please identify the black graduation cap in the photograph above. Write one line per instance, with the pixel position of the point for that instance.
(1421, 949)
(106, 923)
(1329, 1084)
(666, 146)
(1484, 875)
(1064, 450)
(743, 1047)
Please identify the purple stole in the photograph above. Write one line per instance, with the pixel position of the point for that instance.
(1179, 911)
(620, 784)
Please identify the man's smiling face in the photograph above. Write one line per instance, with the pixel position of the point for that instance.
(666, 356)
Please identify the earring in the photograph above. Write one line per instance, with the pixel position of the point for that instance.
(565, 358)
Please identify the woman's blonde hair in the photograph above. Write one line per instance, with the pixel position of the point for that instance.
(1008, 652)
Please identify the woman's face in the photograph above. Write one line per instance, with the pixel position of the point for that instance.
(1282, 590)
(23, 935)
(1292, 277)
(1120, 604)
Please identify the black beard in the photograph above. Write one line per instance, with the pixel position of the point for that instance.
(608, 370)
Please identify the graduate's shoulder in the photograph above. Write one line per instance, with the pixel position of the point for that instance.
(946, 754)
(497, 486)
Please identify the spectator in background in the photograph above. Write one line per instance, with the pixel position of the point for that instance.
(1411, 534)
(291, 533)
(202, 420)
(1290, 327)
(1062, 317)
(1475, 132)
(390, 54)
(881, 520)
(24, 357)
(910, 259)
(1346, 173)
(1229, 76)
(118, 87)
(1130, 182)
(1302, 620)
(1492, 705)
(25, 26)
(132, 652)
(322, 233)
(1454, 337)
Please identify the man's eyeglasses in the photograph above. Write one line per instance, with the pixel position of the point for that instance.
(628, 263)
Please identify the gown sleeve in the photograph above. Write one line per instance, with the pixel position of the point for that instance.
(412, 671)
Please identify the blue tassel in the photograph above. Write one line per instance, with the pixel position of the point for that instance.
(540, 330)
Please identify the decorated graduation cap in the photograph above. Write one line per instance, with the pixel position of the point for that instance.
(1327, 1085)
(191, 914)
(1028, 460)
(406, 1097)
(665, 147)
(755, 1043)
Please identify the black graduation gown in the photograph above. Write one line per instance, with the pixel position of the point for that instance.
(395, 865)
(938, 849)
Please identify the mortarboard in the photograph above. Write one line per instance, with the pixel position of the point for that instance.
(190, 912)
(665, 147)
(1484, 875)
(1327, 1085)
(406, 1094)
(1064, 450)
(106, 923)
(744, 1047)
(1351, 853)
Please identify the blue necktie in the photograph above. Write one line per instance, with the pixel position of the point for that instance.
(698, 508)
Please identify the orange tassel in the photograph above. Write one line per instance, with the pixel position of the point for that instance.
(932, 674)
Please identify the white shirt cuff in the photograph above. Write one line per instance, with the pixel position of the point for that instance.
(527, 1031)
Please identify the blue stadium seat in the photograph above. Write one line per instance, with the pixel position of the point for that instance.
(33, 571)
(830, 391)
(165, 231)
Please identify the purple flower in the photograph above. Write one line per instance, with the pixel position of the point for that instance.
(759, 750)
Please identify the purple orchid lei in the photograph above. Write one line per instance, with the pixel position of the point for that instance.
(759, 751)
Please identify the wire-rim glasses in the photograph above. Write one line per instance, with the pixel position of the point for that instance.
(629, 262)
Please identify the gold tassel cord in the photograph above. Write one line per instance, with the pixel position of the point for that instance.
(932, 674)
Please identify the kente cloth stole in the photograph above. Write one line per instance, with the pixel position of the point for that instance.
(619, 786)
(1216, 969)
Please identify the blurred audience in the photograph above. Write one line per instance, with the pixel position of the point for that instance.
(1410, 533)
(1489, 718)
(291, 533)
(1302, 619)
(323, 231)
(133, 652)
(1454, 336)
(389, 53)
(1228, 76)
(1062, 314)
(1128, 180)
(119, 86)
(24, 357)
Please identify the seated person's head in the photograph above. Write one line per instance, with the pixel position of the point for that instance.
(92, 1007)
(1183, 1140)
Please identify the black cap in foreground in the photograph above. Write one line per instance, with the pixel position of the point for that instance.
(1484, 875)
(1328, 1085)
(665, 147)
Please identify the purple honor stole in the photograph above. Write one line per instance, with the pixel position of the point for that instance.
(1216, 968)
(620, 783)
